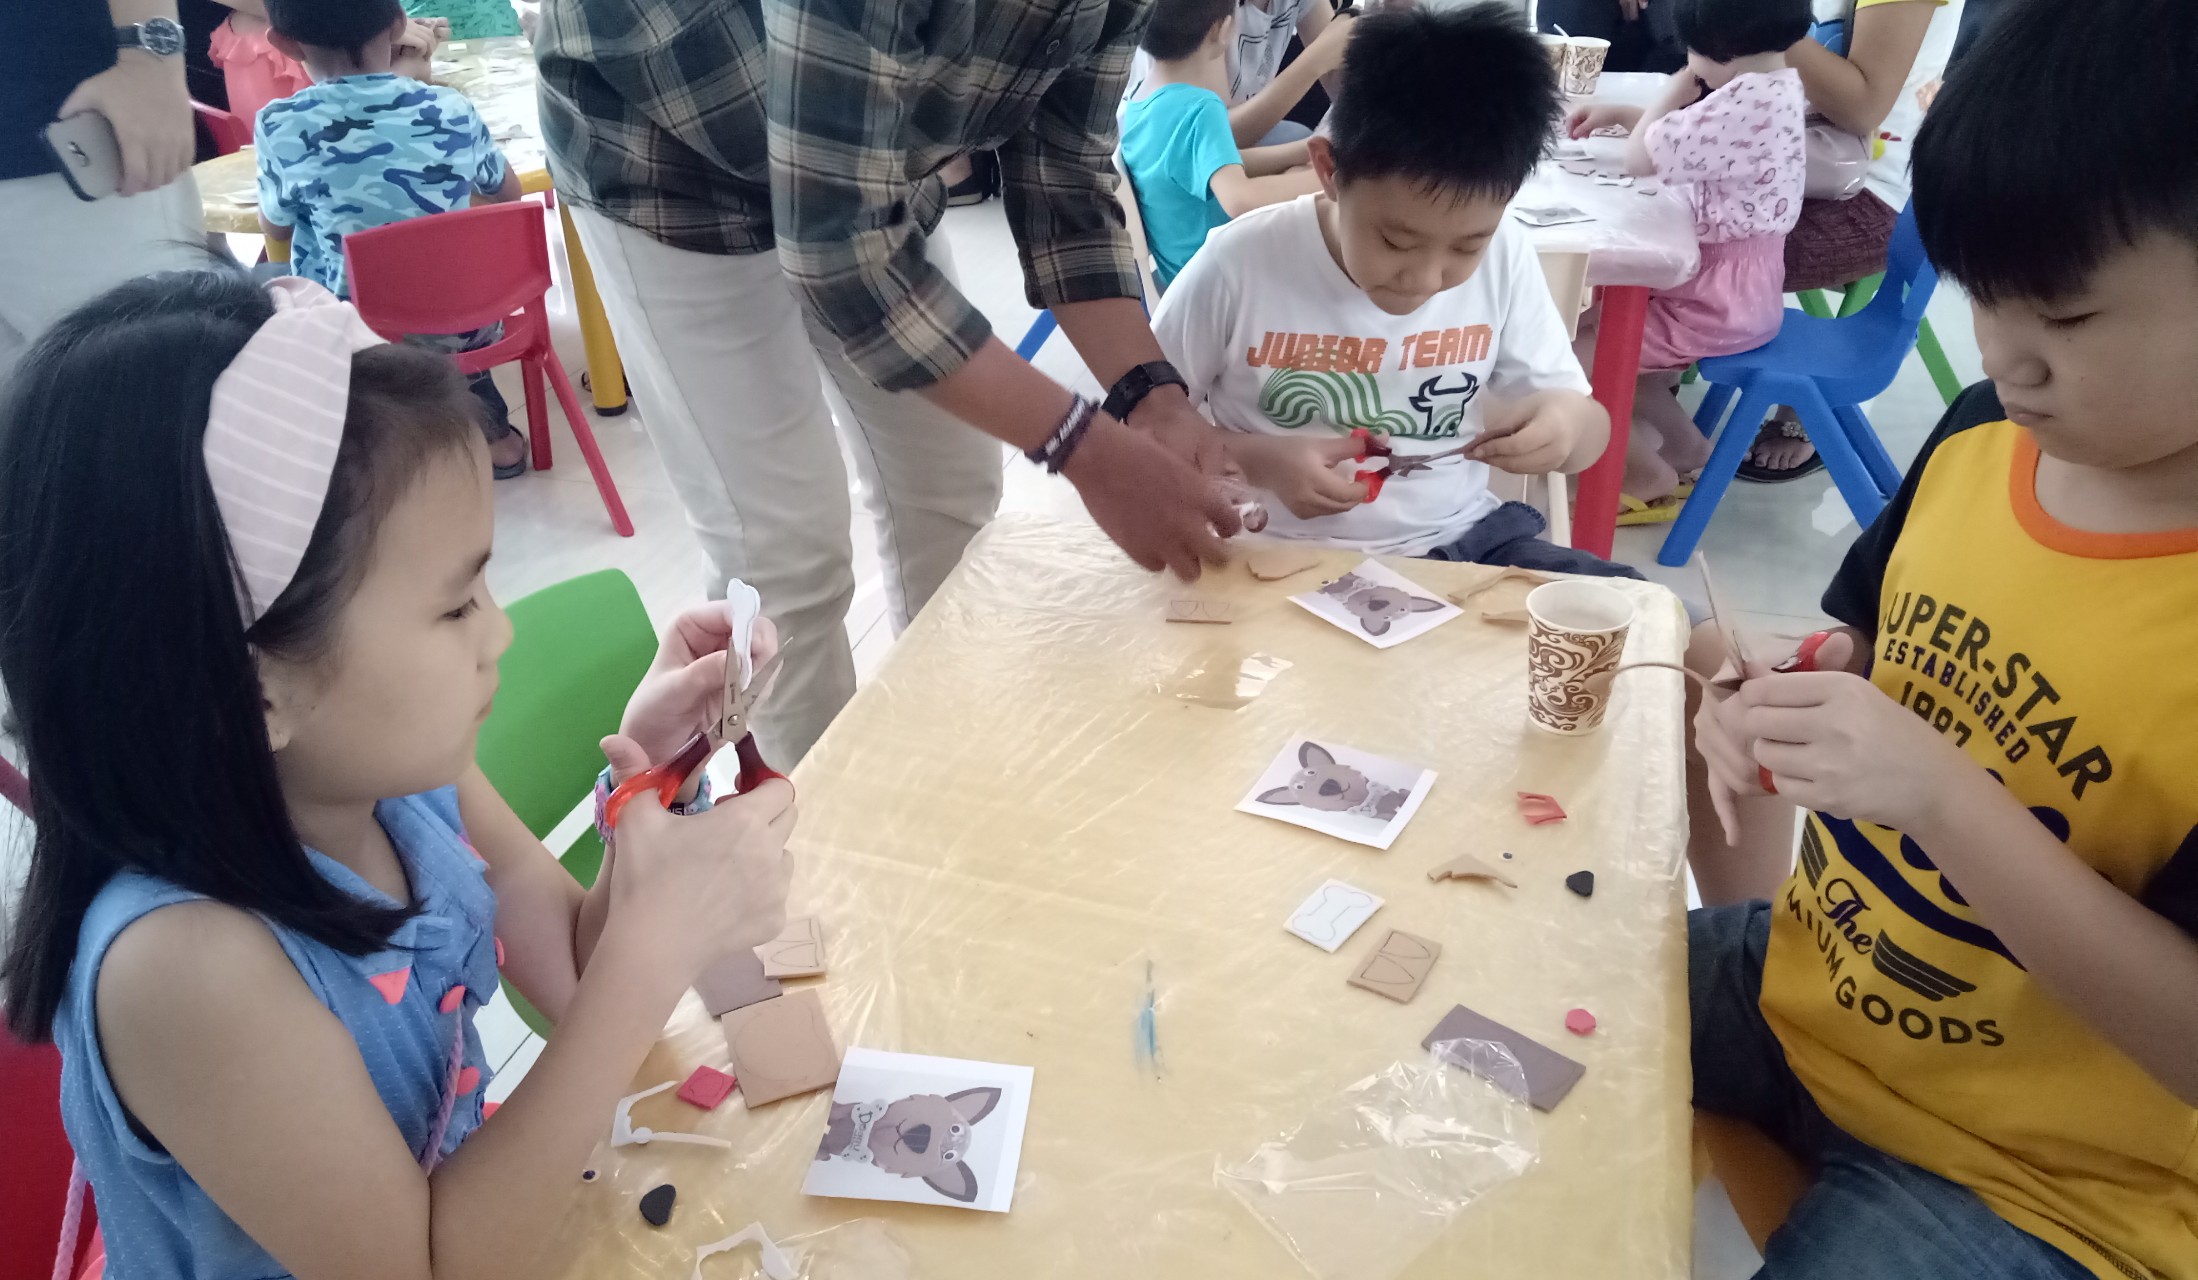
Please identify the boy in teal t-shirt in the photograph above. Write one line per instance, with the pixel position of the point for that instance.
(1182, 159)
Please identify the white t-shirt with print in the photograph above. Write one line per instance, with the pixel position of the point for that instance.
(1888, 175)
(1272, 336)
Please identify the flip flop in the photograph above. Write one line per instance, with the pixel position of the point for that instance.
(1633, 511)
(1775, 429)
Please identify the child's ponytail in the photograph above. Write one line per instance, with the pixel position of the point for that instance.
(128, 664)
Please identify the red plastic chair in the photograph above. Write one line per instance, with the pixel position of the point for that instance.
(460, 271)
(34, 1171)
(231, 133)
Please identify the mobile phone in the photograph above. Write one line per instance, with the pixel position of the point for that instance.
(90, 155)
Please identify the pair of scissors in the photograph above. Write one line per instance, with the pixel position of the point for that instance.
(668, 779)
(1804, 658)
(1394, 464)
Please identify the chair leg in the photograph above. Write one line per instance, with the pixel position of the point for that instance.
(1035, 337)
(1858, 294)
(1864, 438)
(538, 432)
(1715, 401)
(1732, 446)
(584, 436)
(1813, 302)
(1841, 457)
(1936, 364)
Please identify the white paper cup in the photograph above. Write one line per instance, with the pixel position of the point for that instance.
(1576, 632)
(1584, 58)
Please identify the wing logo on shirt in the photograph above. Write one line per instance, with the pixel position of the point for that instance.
(1294, 398)
(1915, 973)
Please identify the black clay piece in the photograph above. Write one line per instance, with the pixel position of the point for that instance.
(587, 1175)
(1582, 883)
(1507, 855)
(656, 1206)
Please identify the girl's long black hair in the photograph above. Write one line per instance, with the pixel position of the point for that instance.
(129, 672)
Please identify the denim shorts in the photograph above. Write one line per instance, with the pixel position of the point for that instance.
(1866, 1214)
(1509, 536)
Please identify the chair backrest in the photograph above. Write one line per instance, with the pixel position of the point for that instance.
(231, 133)
(1909, 275)
(34, 1161)
(577, 650)
(1125, 194)
(449, 272)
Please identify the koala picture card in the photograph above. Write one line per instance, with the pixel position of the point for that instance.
(1378, 605)
(923, 1130)
(1337, 791)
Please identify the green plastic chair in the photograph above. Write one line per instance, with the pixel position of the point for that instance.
(577, 650)
(1856, 297)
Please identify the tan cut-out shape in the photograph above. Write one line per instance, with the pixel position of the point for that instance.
(781, 1047)
(735, 982)
(1503, 608)
(1273, 564)
(1398, 966)
(1467, 867)
(1194, 609)
(798, 952)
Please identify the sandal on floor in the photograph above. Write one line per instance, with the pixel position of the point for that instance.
(1779, 429)
(1664, 510)
(509, 470)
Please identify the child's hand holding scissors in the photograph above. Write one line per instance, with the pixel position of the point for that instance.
(683, 691)
(1301, 474)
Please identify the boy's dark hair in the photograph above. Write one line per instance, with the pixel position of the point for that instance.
(348, 25)
(1178, 27)
(1722, 30)
(1459, 101)
(129, 671)
(2065, 135)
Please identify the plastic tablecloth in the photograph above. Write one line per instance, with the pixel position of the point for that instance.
(1636, 238)
(1019, 828)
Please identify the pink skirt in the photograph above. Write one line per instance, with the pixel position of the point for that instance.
(1734, 303)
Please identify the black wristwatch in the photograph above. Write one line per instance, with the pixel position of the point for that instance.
(1124, 397)
(160, 37)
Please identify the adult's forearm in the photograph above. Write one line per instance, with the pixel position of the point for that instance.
(2117, 964)
(1003, 395)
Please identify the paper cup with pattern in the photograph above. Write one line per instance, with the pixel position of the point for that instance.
(1584, 58)
(1575, 633)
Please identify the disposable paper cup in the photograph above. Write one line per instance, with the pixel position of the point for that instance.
(1554, 46)
(1583, 69)
(1575, 633)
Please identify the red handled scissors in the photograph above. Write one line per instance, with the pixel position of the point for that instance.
(668, 779)
(1394, 464)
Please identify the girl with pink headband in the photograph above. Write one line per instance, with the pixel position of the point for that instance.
(247, 646)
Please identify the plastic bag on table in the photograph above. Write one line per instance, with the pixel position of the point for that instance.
(1380, 1170)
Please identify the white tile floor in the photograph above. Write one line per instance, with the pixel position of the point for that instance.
(1774, 548)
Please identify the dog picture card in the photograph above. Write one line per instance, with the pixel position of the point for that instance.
(923, 1130)
(1378, 605)
(1351, 795)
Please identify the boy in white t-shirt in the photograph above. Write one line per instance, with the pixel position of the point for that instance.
(1401, 302)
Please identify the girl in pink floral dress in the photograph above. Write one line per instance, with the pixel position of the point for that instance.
(1726, 138)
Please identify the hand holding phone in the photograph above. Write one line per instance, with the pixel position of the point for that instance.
(89, 153)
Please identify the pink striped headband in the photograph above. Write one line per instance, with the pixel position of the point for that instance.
(273, 429)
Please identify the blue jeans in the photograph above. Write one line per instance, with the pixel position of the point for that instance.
(1508, 536)
(1867, 1214)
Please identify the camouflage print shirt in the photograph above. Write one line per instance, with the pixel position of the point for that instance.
(364, 151)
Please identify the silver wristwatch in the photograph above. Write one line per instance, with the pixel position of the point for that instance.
(161, 37)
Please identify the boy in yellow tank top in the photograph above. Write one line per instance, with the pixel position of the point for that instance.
(1973, 1007)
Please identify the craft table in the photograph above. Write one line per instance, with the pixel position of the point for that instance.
(1017, 822)
(1636, 242)
(498, 76)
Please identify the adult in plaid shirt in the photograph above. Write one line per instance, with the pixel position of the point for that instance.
(692, 135)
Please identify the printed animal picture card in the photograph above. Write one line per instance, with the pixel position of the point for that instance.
(922, 1130)
(1337, 791)
(1332, 914)
(1378, 605)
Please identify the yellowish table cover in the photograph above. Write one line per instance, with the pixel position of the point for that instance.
(1019, 821)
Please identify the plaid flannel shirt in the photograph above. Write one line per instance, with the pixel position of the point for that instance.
(819, 126)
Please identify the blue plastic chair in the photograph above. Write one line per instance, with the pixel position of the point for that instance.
(1825, 369)
(1035, 337)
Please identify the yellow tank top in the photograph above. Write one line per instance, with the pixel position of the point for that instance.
(2064, 662)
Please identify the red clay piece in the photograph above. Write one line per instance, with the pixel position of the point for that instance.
(706, 1088)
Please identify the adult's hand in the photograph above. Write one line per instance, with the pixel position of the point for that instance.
(1156, 506)
(1631, 10)
(144, 98)
(1167, 416)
